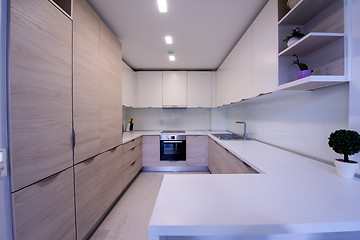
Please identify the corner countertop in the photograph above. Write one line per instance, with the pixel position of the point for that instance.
(128, 136)
(291, 195)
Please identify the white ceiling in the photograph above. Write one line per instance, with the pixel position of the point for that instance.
(204, 31)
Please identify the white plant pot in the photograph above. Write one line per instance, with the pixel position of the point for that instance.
(346, 170)
(292, 41)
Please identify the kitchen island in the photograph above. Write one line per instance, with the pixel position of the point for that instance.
(292, 197)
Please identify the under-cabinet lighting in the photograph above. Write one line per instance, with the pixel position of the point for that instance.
(172, 58)
(168, 40)
(162, 5)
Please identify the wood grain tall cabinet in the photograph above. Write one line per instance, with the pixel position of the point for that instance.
(40, 121)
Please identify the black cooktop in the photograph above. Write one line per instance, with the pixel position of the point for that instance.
(173, 131)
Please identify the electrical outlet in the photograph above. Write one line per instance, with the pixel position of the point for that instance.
(3, 163)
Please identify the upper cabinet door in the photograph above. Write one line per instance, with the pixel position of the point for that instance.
(86, 84)
(199, 89)
(128, 86)
(265, 49)
(174, 89)
(110, 89)
(149, 89)
(40, 95)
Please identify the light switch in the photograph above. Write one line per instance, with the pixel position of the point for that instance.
(3, 161)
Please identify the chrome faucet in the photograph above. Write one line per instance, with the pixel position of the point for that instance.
(244, 134)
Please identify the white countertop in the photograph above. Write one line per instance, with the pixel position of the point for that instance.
(292, 194)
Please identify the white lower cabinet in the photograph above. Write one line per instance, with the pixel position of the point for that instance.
(45, 210)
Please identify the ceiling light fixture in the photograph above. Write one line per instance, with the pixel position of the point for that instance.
(168, 40)
(172, 58)
(162, 5)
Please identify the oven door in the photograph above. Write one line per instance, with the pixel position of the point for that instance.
(172, 150)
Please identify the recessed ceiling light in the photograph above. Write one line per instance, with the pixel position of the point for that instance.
(172, 58)
(162, 5)
(168, 40)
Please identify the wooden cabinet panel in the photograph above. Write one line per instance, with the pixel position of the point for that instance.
(130, 172)
(174, 88)
(40, 75)
(196, 150)
(86, 84)
(199, 89)
(151, 150)
(88, 195)
(149, 89)
(45, 210)
(110, 89)
(131, 156)
(112, 182)
(129, 145)
(221, 161)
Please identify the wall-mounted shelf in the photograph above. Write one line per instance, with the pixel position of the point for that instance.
(312, 82)
(304, 11)
(310, 43)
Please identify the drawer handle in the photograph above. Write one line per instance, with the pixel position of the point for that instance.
(133, 148)
(132, 163)
(51, 177)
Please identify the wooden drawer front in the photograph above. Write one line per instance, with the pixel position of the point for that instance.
(151, 150)
(112, 182)
(131, 172)
(40, 94)
(131, 156)
(45, 210)
(129, 145)
(88, 195)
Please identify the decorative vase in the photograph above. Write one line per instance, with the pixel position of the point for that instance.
(292, 3)
(303, 73)
(292, 41)
(346, 169)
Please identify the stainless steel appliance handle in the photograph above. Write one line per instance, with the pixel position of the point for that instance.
(165, 141)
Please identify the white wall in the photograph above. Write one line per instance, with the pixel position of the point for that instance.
(297, 120)
(5, 216)
(176, 119)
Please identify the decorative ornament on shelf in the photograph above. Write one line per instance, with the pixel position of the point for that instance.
(346, 142)
(292, 3)
(295, 36)
(304, 69)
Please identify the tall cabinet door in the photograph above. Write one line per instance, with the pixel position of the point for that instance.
(40, 75)
(86, 84)
(110, 89)
(174, 88)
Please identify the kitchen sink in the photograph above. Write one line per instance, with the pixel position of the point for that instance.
(228, 136)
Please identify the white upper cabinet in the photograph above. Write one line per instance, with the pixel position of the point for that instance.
(174, 89)
(150, 89)
(265, 45)
(128, 86)
(199, 89)
(234, 76)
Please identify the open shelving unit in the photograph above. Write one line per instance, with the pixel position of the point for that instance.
(322, 48)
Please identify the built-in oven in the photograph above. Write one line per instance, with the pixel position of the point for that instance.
(172, 146)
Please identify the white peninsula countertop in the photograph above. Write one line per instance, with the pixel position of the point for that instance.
(291, 195)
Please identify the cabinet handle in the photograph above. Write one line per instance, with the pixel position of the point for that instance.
(133, 148)
(50, 177)
(133, 163)
(89, 159)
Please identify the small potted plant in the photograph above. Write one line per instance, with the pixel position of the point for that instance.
(346, 142)
(304, 69)
(295, 36)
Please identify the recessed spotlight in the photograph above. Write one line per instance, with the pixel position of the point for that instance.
(168, 40)
(162, 5)
(172, 58)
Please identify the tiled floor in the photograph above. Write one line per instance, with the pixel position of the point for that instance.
(130, 217)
